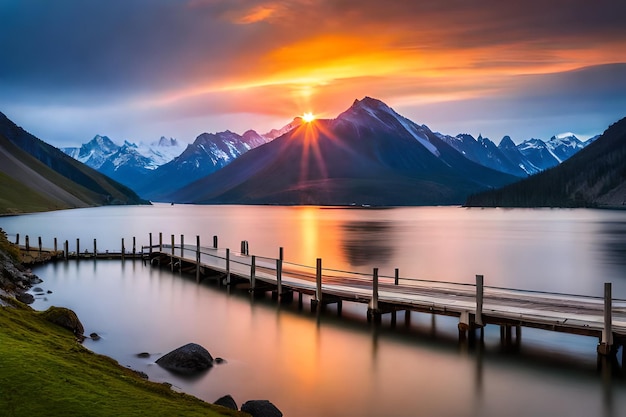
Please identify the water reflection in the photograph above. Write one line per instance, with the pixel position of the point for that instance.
(613, 242)
(367, 242)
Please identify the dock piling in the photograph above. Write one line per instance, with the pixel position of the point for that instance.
(17, 239)
(55, 245)
(150, 243)
(253, 273)
(373, 311)
(396, 280)
(95, 248)
(197, 259)
(67, 250)
(317, 302)
(606, 343)
(182, 246)
(279, 277)
(77, 248)
(160, 242)
(227, 266)
(27, 243)
(479, 300)
(214, 242)
(172, 256)
(123, 249)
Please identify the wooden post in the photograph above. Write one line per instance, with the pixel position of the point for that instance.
(318, 281)
(281, 254)
(197, 259)
(372, 309)
(27, 243)
(215, 242)
(479, 300)
(279, 277)
(247, 248)
(77, 248)
(134, 246)
(396, 281)
(253, 273)
(227, 266)
(95, 248)
(150, 243)
(374, 305)
(160, 242)
(123, 249)
(17, 239)
(55, 245)
(67, 250)
(182, 246)
(606, 343)
(242, 250)
(172, 257)
(39, 243)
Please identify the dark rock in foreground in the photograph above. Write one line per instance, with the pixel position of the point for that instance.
(228, 402)
(261, 408)
(24, 297)
(188, 359)
(64, 317)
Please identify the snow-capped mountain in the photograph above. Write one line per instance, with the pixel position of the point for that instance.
(100, 149)
(208, 153)
(128, 163)
(547, 154)
(527, 158)
(484, 152)
(93, 153)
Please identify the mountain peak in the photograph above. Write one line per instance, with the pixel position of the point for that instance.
(371, 103)
(507, 142)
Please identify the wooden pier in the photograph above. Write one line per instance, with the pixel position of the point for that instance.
(475, 305)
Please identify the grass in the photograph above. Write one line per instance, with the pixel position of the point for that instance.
(44, 371)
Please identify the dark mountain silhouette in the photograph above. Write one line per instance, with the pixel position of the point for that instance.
(367, 155)
(35, 176)
(593, 177)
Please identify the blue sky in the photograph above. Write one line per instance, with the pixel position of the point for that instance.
(141, 69)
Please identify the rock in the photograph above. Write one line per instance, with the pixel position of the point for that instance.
(188, 359)
(64, 317)
(49, 292)
(37, 289)
(261, 408)
(143, 355)
(94, 336)
(24, 297)
(220, 360)
(228, 402)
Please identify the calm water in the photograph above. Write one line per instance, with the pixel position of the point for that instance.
(324, 366)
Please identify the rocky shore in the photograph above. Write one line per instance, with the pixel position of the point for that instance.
(15, 281)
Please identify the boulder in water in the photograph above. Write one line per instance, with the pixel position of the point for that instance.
(261, 408)
(188, 359)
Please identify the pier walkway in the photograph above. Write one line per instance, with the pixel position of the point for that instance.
(475, 305)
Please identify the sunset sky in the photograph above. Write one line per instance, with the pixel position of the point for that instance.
(141, 69)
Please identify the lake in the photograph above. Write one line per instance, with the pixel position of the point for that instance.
(324, 365)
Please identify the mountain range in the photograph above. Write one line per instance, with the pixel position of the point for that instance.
(35, 176)
(157, 168)
(155, 178)
(594, 177)
(368, 155)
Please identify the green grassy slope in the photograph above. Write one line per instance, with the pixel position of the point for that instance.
(45, 372)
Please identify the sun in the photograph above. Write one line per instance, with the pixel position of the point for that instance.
(308, 117)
